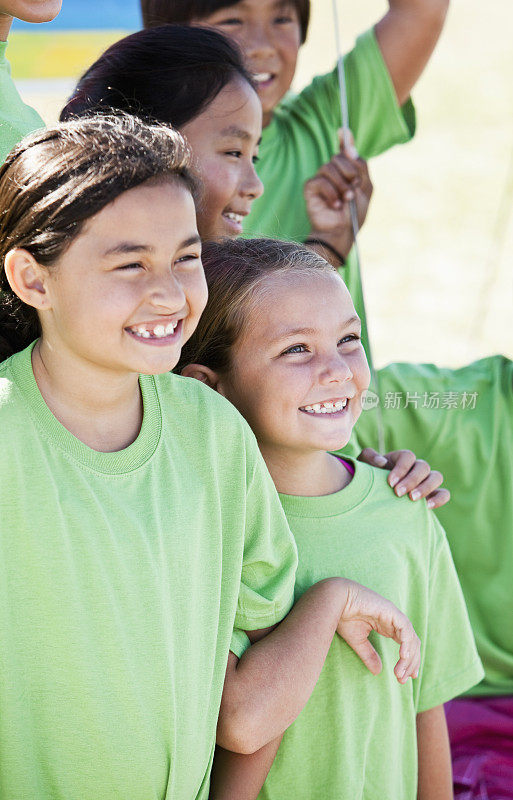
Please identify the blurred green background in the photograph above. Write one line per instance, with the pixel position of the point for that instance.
(437, 247)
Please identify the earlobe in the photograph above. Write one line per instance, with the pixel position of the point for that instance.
(26, 278)
(203, 374)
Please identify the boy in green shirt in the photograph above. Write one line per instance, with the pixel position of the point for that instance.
(16, 118)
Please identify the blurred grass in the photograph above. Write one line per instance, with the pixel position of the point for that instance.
(437, 247)
(57, 55)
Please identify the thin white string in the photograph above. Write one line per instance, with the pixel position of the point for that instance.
(354, 219)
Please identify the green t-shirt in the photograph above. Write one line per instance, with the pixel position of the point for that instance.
(302, 136)
(122, 577)
(356, 737)
(461, 421)
(16, 118)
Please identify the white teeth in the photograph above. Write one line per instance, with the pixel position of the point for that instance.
(261, 77)
(235, 217)
(159, 331)
(326, 408)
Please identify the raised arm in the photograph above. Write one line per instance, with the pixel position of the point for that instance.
(407, 36)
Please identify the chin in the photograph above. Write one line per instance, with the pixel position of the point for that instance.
(43, 11)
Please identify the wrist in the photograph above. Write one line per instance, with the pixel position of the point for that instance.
(336, 592)
(339, 244)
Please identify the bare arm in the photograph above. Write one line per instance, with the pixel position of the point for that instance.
(407, 36)
(265, 691)
(240, 777)
(5, 25)
(435, 770)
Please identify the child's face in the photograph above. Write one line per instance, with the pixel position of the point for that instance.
(269, 34)
(224, 140)
(31, 10)
(129, 290)
(300, 351)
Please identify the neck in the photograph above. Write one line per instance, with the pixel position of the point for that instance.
(5, 26)
(310, 474)
(101, 409)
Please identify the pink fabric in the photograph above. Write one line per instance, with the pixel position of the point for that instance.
(481, 734)
(347, 465)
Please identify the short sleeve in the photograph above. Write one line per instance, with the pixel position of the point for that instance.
(450, 663)
(239, 643)
(16, 118)
(375, 117)
(270, 554)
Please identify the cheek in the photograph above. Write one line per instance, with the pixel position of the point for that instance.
(217, 179)
(195, 289)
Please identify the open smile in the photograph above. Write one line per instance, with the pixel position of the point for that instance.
(156, 333)
(263, 79)
(234, 220)
(332, 408)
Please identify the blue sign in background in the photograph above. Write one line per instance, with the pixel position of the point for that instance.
(91, 15)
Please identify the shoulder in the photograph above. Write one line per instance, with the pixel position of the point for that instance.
(194, 394)
(399, 515)
(206, 413)
(13, 411)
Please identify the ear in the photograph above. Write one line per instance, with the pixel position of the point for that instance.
(27, 278)
(203, 374)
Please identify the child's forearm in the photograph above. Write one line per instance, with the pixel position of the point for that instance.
(240, 777)
(5, 26)
(407, 36)
(435, 769)
(265, 691)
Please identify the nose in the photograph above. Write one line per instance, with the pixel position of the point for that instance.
(251, 186)
(166, 293)
(334, 369)
(258, 42)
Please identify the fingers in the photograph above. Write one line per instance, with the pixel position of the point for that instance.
(365, 651)
(375, 459)
(439, 498)
(415, 477)
(403, 461)
(323, 188)
(343, 175)
(428, 485)
(346, 141)
(409, 652)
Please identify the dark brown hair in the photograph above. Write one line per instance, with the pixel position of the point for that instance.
(162, 12)
(55, 179)
(169, 74)
(236, 271)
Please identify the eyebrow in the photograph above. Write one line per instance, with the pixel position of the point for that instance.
(310, 331)
(234, 130)
(124, 248)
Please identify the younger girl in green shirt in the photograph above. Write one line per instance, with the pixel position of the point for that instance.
(281, 340)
